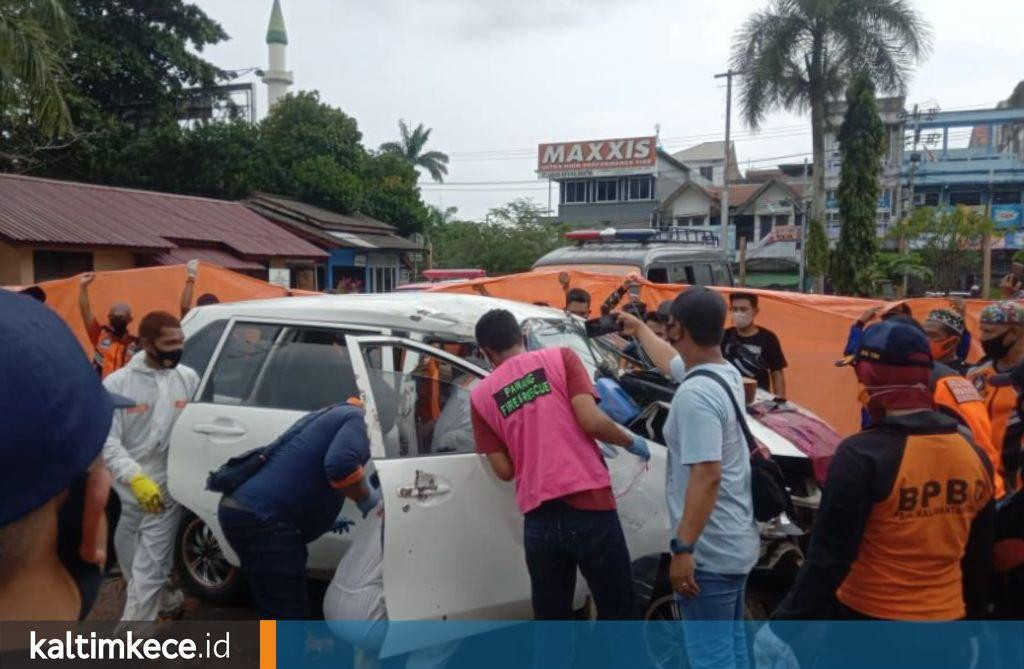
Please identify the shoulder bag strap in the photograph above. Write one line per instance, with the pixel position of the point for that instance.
(740, 414)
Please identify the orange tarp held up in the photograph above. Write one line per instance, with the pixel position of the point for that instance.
(151, 289)
(812, 328)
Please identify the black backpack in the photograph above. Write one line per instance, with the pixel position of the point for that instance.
(768, 485)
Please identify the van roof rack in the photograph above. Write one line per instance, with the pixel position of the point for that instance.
(673, 235)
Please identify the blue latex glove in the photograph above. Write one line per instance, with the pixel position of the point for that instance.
(342, 525)
(370, 503)
(639, 448)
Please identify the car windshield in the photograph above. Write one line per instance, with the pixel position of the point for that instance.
(600, 353)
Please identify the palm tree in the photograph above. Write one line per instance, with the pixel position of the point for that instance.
(31, 33)
(411, 148)
(800, 54)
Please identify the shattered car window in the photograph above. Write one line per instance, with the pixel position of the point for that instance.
(565, 333)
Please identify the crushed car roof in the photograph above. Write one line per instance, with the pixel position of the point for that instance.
(442, 312)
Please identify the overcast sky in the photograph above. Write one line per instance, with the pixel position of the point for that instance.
(494, 78)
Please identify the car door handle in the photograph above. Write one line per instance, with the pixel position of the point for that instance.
(425, 486)
(220, 430)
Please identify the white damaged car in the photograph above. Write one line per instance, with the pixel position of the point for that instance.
(453, 540)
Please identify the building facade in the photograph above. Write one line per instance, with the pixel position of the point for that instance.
(610, 182)
(364, 254)
(889, 210)
(707, 161)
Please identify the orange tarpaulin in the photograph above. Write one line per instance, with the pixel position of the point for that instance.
(150, 289)
(813, 329)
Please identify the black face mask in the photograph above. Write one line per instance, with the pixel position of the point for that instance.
(167, 359)
(119, 326)
(86, 575)
(996, 348)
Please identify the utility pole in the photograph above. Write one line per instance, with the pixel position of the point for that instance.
(724, 216)
(914, 160)
(803, 230)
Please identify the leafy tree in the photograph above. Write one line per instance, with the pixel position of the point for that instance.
(509, 239)
(799, 54)
(126, 66)
(862, 145)
(948, 241)
(888, 267)
(392, 193)
(131, 59)
(817, 254)
(213, 160)
(411, 146)
(32, 77)
(311, 151)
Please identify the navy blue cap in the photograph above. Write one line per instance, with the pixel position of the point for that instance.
(893, 342)
(56, 413)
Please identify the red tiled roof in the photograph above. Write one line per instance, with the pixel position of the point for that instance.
(65, 212)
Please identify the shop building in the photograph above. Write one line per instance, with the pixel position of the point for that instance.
(610, 182)
(56, 229)
(363, 253)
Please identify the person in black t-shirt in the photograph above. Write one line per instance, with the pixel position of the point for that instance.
(754, 350)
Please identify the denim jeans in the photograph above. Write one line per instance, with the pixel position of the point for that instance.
(713, 622)
(558, 539)
(273, 557)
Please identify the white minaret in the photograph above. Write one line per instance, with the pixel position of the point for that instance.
(277, 77)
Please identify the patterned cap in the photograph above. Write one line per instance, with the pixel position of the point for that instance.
(1003, 313)
(948, 318)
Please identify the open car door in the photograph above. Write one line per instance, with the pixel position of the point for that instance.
(452, 532)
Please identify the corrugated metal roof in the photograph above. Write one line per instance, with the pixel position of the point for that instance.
(183, 254)
(324, 218)
(64, 212)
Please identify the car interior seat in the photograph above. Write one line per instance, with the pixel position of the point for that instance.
(306, 377)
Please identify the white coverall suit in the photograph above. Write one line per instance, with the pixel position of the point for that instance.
(137, 444)
(354, 605)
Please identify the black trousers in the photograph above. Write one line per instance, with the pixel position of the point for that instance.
(560, 539)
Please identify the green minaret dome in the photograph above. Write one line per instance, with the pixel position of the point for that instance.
(275, 31)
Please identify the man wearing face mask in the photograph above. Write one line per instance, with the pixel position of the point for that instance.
(1002, 338)
(113, 345)
(136, 453)
(56, 417)
(945, 329)
(905, 527)
(755, 351)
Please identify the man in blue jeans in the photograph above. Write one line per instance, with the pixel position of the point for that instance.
(716, 542)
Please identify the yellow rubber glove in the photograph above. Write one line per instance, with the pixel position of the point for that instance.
(148, 493)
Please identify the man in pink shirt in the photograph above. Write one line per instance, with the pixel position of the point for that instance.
(536, 419)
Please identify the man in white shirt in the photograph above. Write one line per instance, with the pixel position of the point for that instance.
(136, 454)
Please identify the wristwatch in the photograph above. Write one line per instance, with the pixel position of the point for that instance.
(679, 548)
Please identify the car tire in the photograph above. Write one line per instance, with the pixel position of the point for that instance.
(201, 565)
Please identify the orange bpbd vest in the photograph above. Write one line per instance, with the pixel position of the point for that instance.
(921, 528)
(112, 354)
(958, 395)
(1001, 406)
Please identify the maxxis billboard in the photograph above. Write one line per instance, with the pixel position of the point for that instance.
(597, 157)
